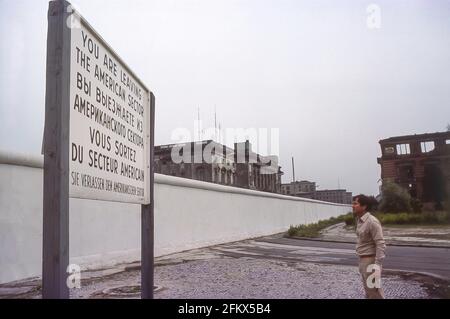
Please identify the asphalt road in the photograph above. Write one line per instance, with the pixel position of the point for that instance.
(434, 261)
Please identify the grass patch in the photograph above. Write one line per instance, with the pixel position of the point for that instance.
(313, 230)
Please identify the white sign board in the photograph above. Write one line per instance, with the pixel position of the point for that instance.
(109, 124)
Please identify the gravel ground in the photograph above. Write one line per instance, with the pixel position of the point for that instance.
(205, 274)
(258, 278)
(248, 278)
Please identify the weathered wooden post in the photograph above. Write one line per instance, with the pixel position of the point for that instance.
(98, 140)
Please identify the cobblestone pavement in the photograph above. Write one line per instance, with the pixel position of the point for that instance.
(211, 273)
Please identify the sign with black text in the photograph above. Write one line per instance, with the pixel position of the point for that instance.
(98, 141)
(109, 123)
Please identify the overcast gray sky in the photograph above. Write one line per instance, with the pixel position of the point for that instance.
(313, 69)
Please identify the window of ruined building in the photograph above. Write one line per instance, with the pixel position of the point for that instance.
(403, 149)
(427, 147)
(406, 172)
(447, 142)
(389, 150)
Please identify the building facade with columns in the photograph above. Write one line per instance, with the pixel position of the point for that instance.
(213, 162)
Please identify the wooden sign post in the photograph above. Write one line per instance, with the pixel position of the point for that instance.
(98, 140)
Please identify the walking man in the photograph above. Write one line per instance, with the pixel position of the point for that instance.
(370, 246)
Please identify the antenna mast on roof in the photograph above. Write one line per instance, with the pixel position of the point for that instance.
(215, 122)
(198, 123)
(293, 170)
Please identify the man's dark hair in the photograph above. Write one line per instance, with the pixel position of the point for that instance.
(368, 201)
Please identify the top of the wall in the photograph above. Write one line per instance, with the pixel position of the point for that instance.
(18, 159)
(37, 161)
(191, 183)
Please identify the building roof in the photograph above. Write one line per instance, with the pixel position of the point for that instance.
(168, 146)
(332, 190)
(260, 160)
(298, 182)
(424, 136)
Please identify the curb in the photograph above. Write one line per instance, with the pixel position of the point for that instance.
(352, 242)
(428, 274)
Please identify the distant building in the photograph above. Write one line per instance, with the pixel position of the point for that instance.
(340, 196)
(307, 189)
(419, 163)
(298, 187)
(213, 162)
(218, 169)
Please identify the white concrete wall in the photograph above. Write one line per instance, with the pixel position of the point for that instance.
(188, 214)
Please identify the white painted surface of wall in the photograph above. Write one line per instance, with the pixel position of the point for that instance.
(188, 214)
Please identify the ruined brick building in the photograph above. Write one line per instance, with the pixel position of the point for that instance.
(420, 164)
(213, 162)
